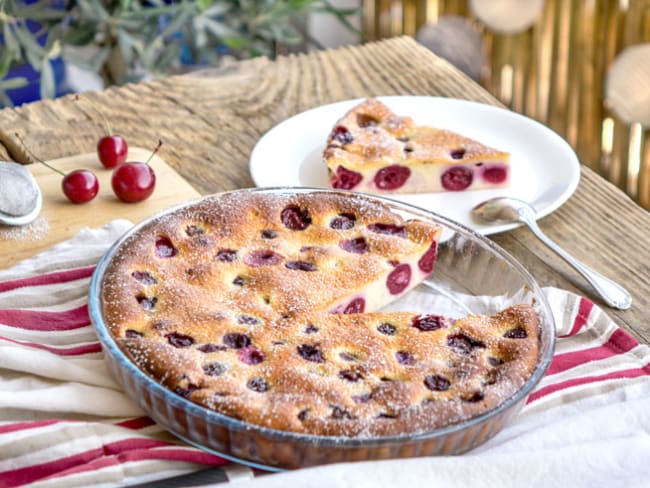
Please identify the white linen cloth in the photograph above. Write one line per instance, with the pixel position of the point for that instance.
(64, 421)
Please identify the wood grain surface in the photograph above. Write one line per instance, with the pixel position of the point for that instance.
(59, 219)
(210, 121)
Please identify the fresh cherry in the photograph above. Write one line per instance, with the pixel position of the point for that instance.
(112, 150)
(134, 181)
(80, 186)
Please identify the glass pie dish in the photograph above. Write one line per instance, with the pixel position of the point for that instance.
(471, 275)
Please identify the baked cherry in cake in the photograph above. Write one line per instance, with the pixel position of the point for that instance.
(371, 149)
(263, 307)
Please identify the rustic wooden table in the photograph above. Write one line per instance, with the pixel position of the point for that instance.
(210, 121)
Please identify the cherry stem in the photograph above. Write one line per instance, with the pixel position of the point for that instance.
(107, 126)
(154, 151)
(36, 157)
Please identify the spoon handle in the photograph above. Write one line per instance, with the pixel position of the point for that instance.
(613, 294)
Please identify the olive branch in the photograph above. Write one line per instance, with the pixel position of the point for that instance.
(127, 40)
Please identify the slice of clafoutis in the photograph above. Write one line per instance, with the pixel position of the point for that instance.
(345, 374)
(373, 150)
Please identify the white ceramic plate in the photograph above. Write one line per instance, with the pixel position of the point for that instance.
(545, 169)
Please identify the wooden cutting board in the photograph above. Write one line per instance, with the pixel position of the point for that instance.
(60, 219)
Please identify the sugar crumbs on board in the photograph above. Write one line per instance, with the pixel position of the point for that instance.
(31, 232)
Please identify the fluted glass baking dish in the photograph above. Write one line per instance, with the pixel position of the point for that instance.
(472, 274)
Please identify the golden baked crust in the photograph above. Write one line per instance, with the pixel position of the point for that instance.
(351, 375)
(265, 350)
(374, 150)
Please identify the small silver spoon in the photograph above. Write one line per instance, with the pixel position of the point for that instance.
(513, 210)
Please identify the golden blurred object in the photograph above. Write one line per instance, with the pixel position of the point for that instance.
(507, 16)
(627, 86)
(553, 71)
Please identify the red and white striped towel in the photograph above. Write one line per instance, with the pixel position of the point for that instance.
(64, 422)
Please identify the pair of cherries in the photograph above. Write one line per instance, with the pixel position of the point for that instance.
(131, 182)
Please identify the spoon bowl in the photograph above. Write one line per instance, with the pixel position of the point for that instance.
(507, 209)
(501, 209)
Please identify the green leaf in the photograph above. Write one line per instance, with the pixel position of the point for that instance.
(41, 14)
(288, 34)
(71, 55)
(234, 42)
(12, 83)
(6, 59)
(11, 44)
(127, 45)
(100, 58)
(341, 14)
(48, 88)
(204, 4)
(177, 23)
(5, 101)
(216, 10)
(81, 36)
(85, 9)
(153, 12)
(218, 29)
(200, 36)
(53, 35)
(5, 62)
(33, 52)
(168, 57)
(98, 9)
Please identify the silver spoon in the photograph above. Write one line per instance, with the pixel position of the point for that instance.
(513, 210)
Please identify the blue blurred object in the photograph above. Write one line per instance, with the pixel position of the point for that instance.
(32, 91)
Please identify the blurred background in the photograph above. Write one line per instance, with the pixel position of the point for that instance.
(582, 67)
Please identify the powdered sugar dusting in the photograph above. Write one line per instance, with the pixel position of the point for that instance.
(30, 232)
